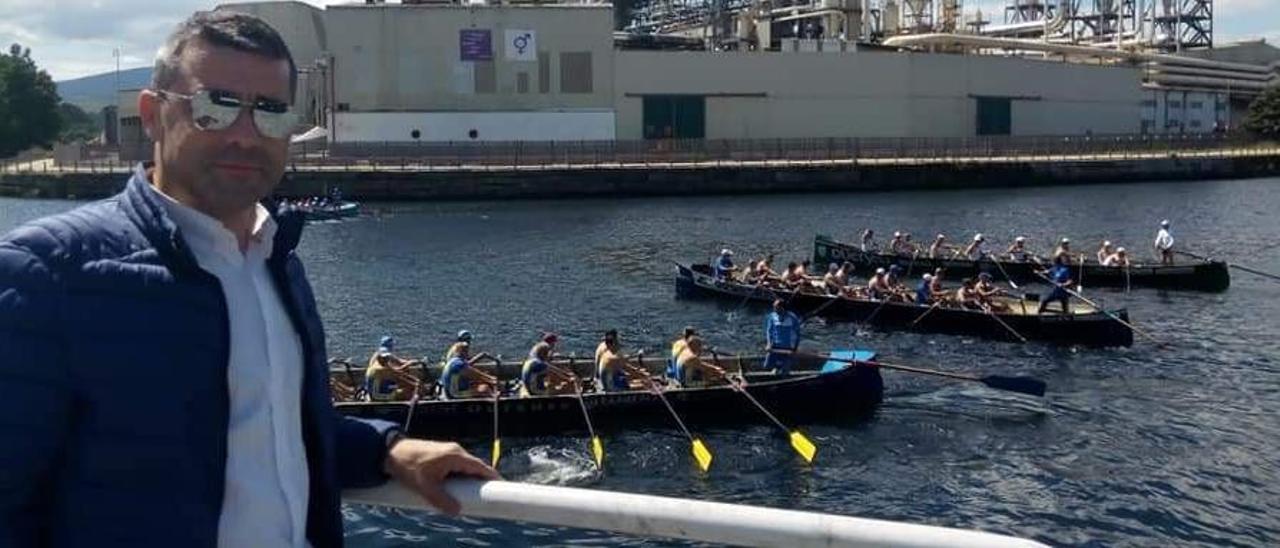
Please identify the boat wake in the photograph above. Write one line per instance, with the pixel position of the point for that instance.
(547, 465)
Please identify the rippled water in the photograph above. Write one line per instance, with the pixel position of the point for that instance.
(1140, 446)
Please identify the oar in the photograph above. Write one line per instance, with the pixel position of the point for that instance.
(1103, 310)
(926, 312)
(1021, 385)
(1232, 265)
(994, 316)
(1080, 282)
(799, 441)
(700, 452)
(497, 443)
(1006, 275)
(597, 448)
(814, 314)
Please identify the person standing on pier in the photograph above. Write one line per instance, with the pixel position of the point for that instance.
(243, 447)
(1164, 243)
(781, 332)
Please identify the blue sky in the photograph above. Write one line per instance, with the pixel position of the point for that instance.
(72, 38)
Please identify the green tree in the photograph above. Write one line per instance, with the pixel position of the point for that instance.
(77, 124)
(28, 103)
(1263, 119)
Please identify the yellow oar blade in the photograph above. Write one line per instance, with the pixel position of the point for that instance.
(597, 449)
(497, 451)
(701, 454)
(803, 446)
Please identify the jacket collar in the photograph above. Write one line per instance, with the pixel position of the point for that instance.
(142, 205)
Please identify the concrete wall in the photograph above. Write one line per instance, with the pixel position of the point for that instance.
(1183, 111)
(876, 94)
(488, 126)
(303, 29)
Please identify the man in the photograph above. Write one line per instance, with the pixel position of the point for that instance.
(464, 337)
(387, 376)
(538, 377)
(1060, 276)
(678, 345)
(724, 265)
(1104, 251)
(832, 280)
(461, 379)
(967, 295)
(1119, 258)
(878, 285)
(1017, 251)
(896, 244)
(987, 293)
(1164, 243)
(974, 250)
(924, 295)
(691, 371)
(869, 241)
(781, 332)
(244, 447)
(1063, 251)
(613, 372)
(935, 284)
(939, 247)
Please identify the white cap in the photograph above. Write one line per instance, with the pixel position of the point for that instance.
(977, 237)
(726, 251)
(897, 234)
(1165, 223)
(1020, 239)
(880, 270)
(927, 276)
(1066, 240)
(1106, 242)
(1119, 250)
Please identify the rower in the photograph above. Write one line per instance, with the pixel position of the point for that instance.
(678, 345)
(1119, 258)
(935, 284)
(877, 287)
(461, 379)
(1063, 250)
(974, 250)
(764, 269)
(1164, 243)
(384, 373)
(1017, 251)
(538, 377)
(831, 280)
(924, 293)
(793, 276)
(868, 241)
(967, 295)
(938, 247)
(987, 292)
(895, 245)
(1060, 275)
(613, 373)
(464, 336)
(691, 371)
(781, 332)
(842, 277)
(1104, 251)
(724, 265)
(908, 248)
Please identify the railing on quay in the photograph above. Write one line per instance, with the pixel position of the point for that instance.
(667, 517)
(702, 153)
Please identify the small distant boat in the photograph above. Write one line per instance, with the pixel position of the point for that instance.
(1085, 325)
(1197, 276)
(817, 389)
(341, 210)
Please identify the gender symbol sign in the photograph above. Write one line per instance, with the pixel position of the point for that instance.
(521, 45)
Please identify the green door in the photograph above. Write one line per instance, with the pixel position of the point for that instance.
(995, 116)
(675, 116)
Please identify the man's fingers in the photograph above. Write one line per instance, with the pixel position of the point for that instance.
(468, 465)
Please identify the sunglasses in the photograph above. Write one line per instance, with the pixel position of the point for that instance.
(216, 110)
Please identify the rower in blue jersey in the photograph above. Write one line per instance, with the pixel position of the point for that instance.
(691, 371)
(924, 291)
(781, 332)
(461, 379)
(724, 265)
(613, 372)
(387, 376)
(464, 336)
(538, 377)
(1060, 275)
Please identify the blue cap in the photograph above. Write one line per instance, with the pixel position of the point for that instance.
(464, 335)
(387, 342)
(894, 267)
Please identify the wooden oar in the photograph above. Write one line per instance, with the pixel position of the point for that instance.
(1021, 385)
(799, 441)
(936, 304)
(597, 448)
(994, 316)
(814, 314)
(1103, 310)
(1006, 275)
(700, 452)
(497, 443)
(1232, 265)
(1080, 282)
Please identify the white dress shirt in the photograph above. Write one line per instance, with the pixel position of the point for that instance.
(265, 500)
(1164, 239)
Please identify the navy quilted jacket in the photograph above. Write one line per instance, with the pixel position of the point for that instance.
(113, 384)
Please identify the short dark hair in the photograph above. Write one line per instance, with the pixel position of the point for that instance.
(228, 29)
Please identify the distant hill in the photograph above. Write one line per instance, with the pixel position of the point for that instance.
(91, 93)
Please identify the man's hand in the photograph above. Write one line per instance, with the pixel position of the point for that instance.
(422, 466)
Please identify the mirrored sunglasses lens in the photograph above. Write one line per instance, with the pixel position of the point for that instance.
(274, 125)
(211, 116)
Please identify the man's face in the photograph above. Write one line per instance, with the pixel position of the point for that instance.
(221, 172)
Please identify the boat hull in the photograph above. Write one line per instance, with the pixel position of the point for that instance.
(1199, 276)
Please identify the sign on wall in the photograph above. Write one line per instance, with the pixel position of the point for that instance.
(521, 45)
(475, 44)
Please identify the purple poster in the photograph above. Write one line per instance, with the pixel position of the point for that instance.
(475, 44)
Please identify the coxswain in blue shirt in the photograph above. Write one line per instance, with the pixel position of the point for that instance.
(724, 265)
(387, 376)
(613, 372)
(461, 379)
(924, 292)
(1060, 275)
(539, 378)
(781, 332)
(691, 371)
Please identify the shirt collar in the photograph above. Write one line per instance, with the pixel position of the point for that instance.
(210, 239)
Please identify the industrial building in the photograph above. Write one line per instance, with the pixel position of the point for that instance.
(756, 69)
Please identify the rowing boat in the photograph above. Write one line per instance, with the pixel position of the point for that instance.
(1196, 275)
(820, 390)
(1085, 325)
(341, 210)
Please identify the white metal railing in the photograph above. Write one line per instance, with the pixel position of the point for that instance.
(668, 517)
